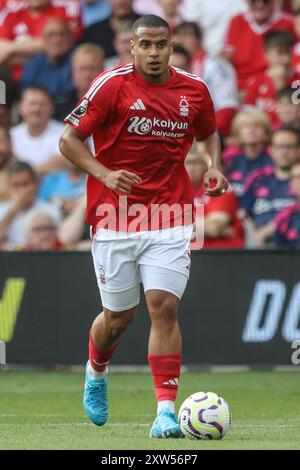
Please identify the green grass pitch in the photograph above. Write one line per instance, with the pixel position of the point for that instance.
(40, 410)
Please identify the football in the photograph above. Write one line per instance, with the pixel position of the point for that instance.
(204, 415)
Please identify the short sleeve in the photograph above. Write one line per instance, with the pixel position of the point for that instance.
(93, 110)
(205, 121)
(6, 28)
(232, 35)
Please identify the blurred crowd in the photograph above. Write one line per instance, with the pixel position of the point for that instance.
(248, 53)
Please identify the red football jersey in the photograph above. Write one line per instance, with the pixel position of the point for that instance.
(146, 129)
(245, 39)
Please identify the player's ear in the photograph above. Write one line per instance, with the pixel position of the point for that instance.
(171, 45)
(132, 42)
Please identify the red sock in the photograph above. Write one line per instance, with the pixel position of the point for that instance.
(165, 370)
(99, 360)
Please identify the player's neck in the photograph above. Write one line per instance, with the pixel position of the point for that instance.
(155, 80)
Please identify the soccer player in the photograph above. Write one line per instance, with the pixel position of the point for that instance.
(143, 118)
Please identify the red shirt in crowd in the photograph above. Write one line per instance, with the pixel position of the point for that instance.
(146, 129)
(245, 40)
(25, 23)
(227, 204)
(262, 92)
(296, 58)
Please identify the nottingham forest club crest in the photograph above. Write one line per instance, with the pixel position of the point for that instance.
(184, 106)
(81, 109)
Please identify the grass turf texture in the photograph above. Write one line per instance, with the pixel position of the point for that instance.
(44, 411)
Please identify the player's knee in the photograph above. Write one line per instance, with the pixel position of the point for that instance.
(164, 309)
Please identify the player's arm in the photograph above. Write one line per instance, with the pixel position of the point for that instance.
(214, 174)
(72, 146)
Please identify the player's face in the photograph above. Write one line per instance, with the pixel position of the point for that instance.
(295, 180)
(285, 150)
(151, 48)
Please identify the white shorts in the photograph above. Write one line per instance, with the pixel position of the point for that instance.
(158, 259)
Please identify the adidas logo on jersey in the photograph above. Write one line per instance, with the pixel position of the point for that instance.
(138, 105)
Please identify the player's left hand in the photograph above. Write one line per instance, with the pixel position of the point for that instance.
(213, 175)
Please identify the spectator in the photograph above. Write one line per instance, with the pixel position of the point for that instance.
(180, 58)
(213, 16)
(252, 129)
(153, 7)
(262, 90)
(74, 15)
(51, 69)
(21, 33)
(122, 44)
(94, 11)
(8, 91)
(222, 227)
(244, 46)
(6, 159)
(296, 49)
(103, 32)
(288, 221)
(288, 111)
(63, 188)
(171, 12)
(23, 187)
(41, 232)
(267, 190)
(87, 62)
(35, 140)
(217, 73)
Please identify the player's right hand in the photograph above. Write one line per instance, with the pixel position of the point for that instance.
(121, 181)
